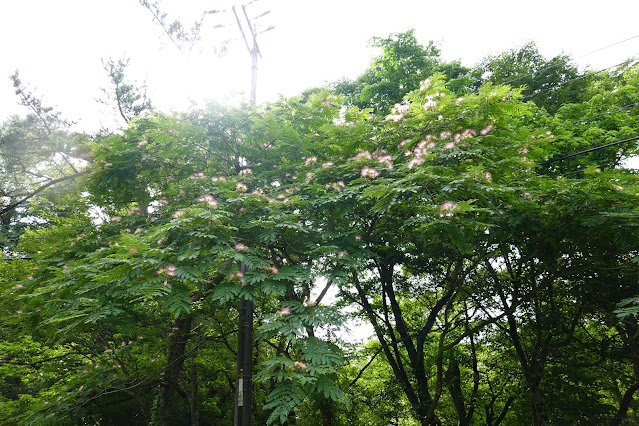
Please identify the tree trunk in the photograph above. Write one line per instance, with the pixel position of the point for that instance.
(178, 338)
(622, 413)
(453, 381)
(193, 400)
(539, 414)
(326, 408)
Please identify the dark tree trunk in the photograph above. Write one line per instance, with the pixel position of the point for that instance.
(327, 410)
(193, 399)
(539, 414)
(622, 413)
(178, 338)
(491, 420)
(453, 381)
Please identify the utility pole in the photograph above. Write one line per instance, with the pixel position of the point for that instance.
(244, 384)
(253, 49)
(244, 379)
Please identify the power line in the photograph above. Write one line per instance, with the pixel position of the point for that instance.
(574, 172)
(610, 45)
(577, 79)
(589, 119)
(442, 124)
(553, 160)
(579, 57)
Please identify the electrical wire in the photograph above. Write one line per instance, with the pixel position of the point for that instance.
(609, 46)
(578, 57)
(553, 160)
(589, 119)
(549, 161)
(629, 62)
(524, 98)
(574, 172)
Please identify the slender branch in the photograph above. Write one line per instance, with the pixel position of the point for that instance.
(160, 21)
(361, 372)
(323, 292)
(40, 189)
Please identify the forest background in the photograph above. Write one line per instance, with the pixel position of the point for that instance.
(482, 219)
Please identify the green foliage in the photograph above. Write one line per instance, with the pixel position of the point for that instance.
(37, 154)
(311, 365)
(129, 100)
(489, 273)
(402, 64)
(550, 83)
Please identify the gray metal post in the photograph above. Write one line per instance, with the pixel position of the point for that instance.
(244, 385)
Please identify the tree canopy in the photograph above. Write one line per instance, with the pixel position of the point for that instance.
(487, 237)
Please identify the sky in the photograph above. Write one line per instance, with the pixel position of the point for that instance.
(58, 46)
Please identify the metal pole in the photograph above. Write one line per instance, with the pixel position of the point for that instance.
(244, 385)
(254, 53)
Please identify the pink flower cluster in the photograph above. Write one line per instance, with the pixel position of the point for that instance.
(430, 103)
(416, 161)
(385, 159)
(237, 274)
(362, 155)
(380, 157)
(209, 199)
(337, 186)
(423, 146)
(468, 133)
(421, 149)
(168, 270)
(272, 269)
(394, 117)
(246, 172)
(142, 143)
(397, 112)
(369, 172)
(241, 247)
(447, 208)
(400, 108)
(310, 160)
(197, 175)
(486, 130)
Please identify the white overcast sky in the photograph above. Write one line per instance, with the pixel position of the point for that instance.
(58, 45)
